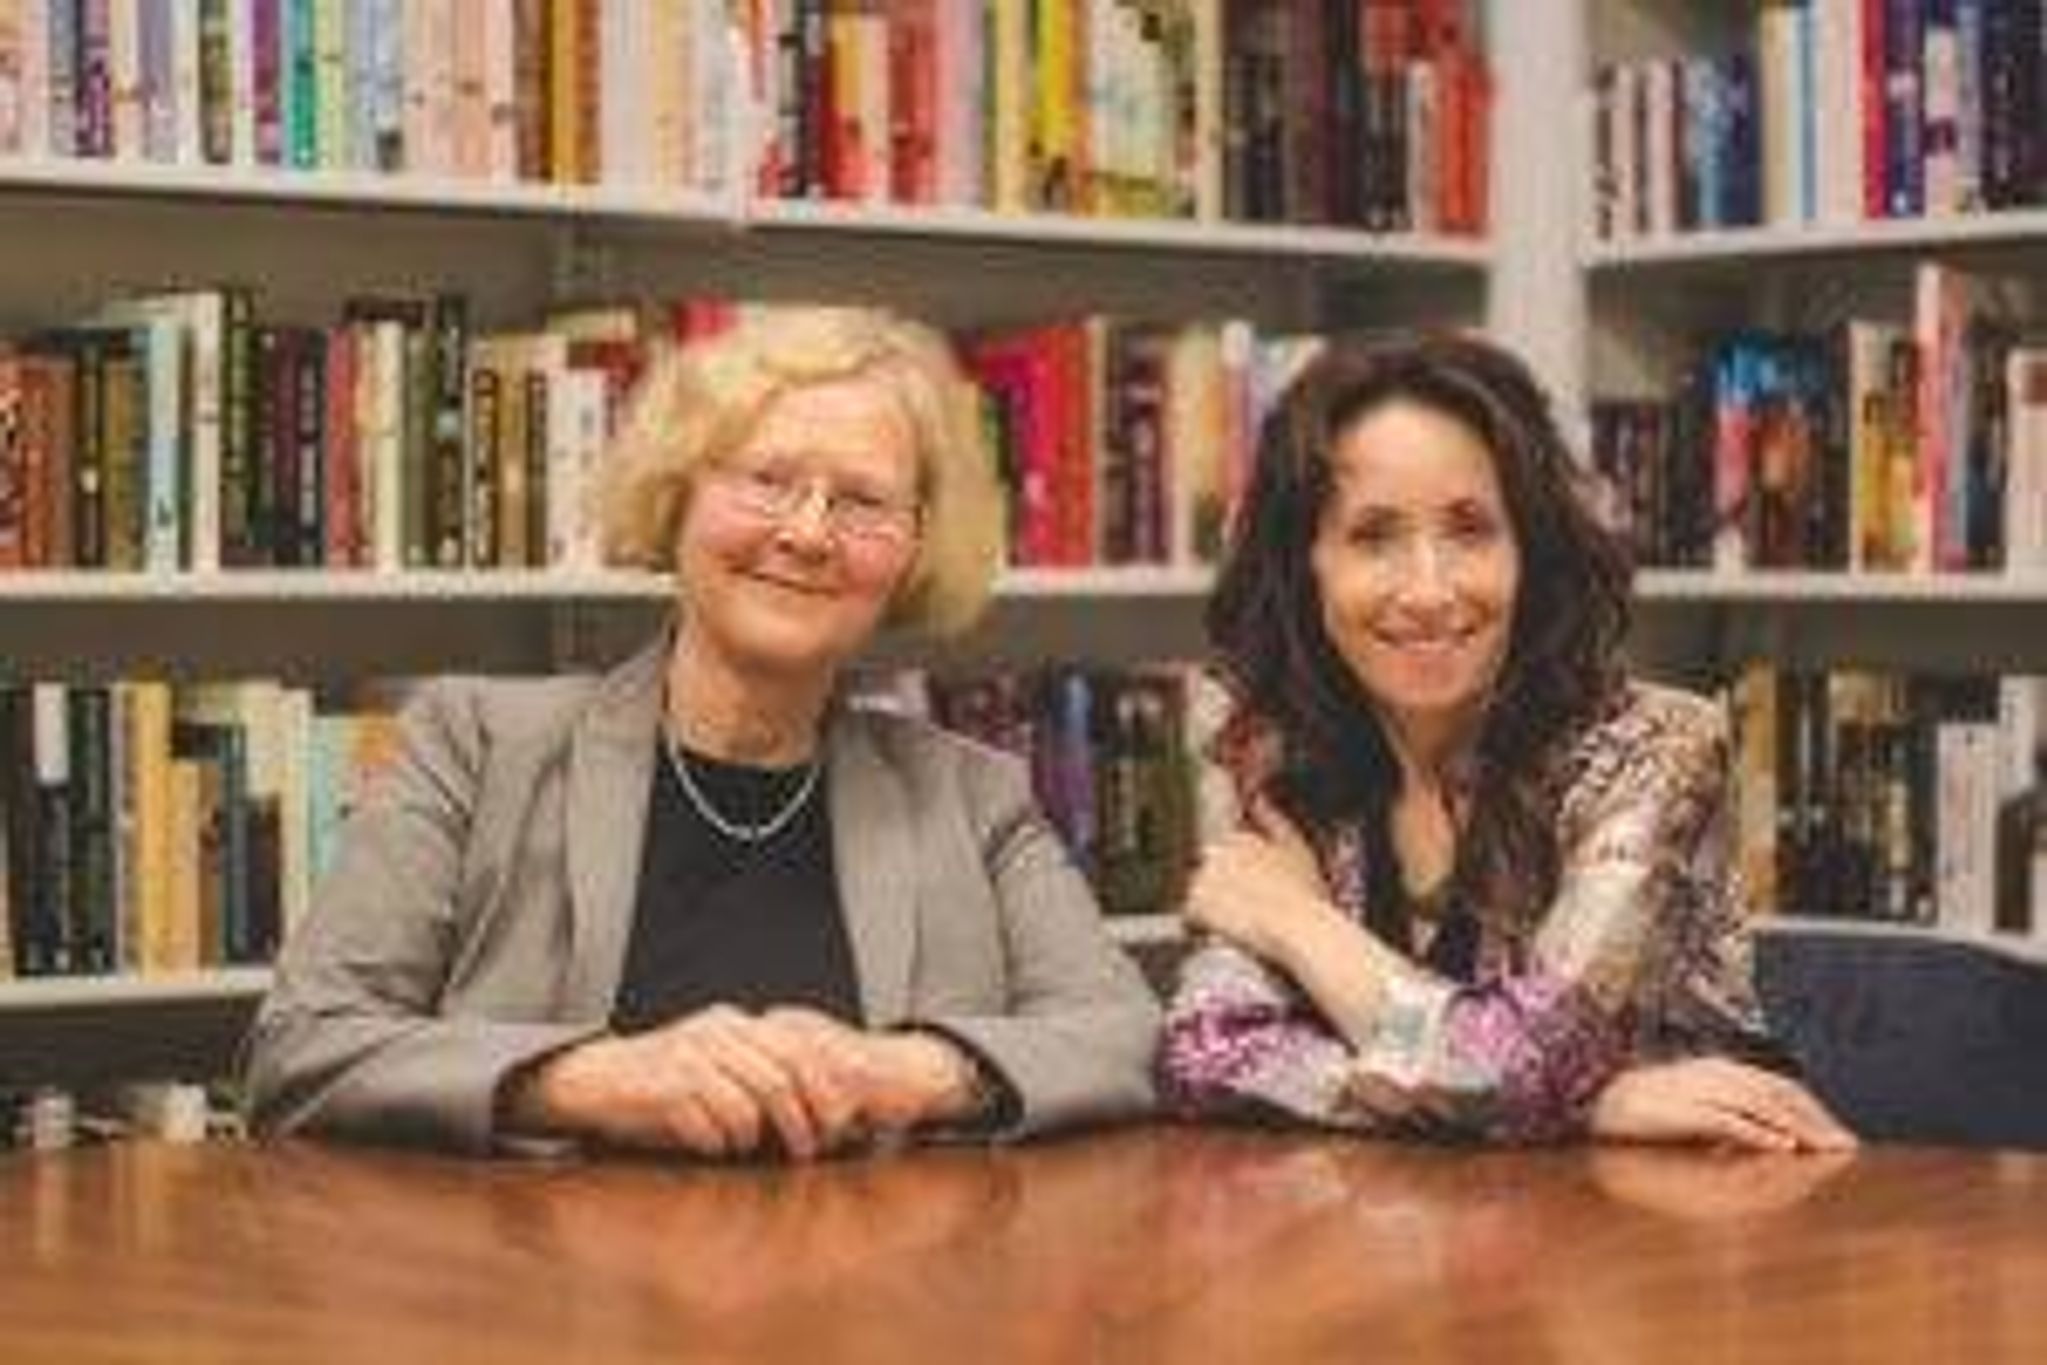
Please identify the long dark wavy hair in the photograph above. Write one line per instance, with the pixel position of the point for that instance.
(1332, 762)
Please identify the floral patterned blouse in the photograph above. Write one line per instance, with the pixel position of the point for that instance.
(1643, 955)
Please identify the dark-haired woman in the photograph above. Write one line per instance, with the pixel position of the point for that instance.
(1483, 886)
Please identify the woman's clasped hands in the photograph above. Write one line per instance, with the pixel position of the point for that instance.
(723, 1082)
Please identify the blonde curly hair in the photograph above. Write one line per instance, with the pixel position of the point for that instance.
(699, 402)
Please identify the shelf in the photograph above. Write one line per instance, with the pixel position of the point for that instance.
(1817, 588)
(1303, 241)
(73, 992)
(1161, 583)
(315, 585)
(372, 190)
(676, 206)
(269, 586)
(2019, 948)
(1752, 245)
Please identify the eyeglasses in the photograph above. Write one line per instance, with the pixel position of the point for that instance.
(776, 490)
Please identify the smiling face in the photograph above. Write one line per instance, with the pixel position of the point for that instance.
(790, 547)
(1418, 566)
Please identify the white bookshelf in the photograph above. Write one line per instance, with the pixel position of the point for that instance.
(75, 232)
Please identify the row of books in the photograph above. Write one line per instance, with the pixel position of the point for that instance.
(1126, 442)
(1874, 445)
(1369, 114)
(562, 91)
(1881, 796)
(153, 828)
(1837, 111)
(179, 431)
(149, 827)
(1116, 759)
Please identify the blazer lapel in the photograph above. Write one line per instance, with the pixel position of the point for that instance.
(873, 848)
(611, 766)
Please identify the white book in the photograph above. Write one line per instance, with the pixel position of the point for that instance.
(124, 76)
(1628, 215)
(622, 113)
(32, 118)
(1659, 149)
(381, 405)
(332, 134)
(500, 89)
(294, 733)
(1837, 108)
(50, 733)
(1965, 825)
(389, 91)
(1940, 106)
(15, 93)
(1779, 72)
(241, 63)
(717, 124)
(188, 110)
(876, 101)
(956, 51)
(1422, 158)
(576, 440)
(2025, 504)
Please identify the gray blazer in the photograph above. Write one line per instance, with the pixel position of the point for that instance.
(477, 915)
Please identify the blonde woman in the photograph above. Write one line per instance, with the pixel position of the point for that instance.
(698, 903)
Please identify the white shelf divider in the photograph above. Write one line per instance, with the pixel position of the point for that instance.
(94, 992)
(371, 190)
(1794, 587)
(1105, 583)
(728, 211)
(1749, 244)
(1166, 234)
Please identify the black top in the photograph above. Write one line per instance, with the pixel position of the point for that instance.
(721, 920)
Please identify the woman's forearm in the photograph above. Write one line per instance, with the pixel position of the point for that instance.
(1342, 966)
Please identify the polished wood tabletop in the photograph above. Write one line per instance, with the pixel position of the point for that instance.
(1160, 1244)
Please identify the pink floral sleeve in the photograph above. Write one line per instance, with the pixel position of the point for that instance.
(1643, 951)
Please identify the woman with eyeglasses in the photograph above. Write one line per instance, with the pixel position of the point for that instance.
(701, 904)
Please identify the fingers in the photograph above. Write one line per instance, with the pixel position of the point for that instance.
(1736, 1127)
(775, 1088)
(1267, 818)
(1779, 1104)
(1715, 1099)
(810, 1049)
(706, 1110)
(1794, 1109)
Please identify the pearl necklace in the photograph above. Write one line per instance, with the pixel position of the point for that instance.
(732, 829)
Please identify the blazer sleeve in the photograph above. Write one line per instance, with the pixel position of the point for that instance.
(1075, 1044)
(1514, 1057)
(349, 1041)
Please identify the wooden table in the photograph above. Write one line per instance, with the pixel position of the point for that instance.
(1158, 1244)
